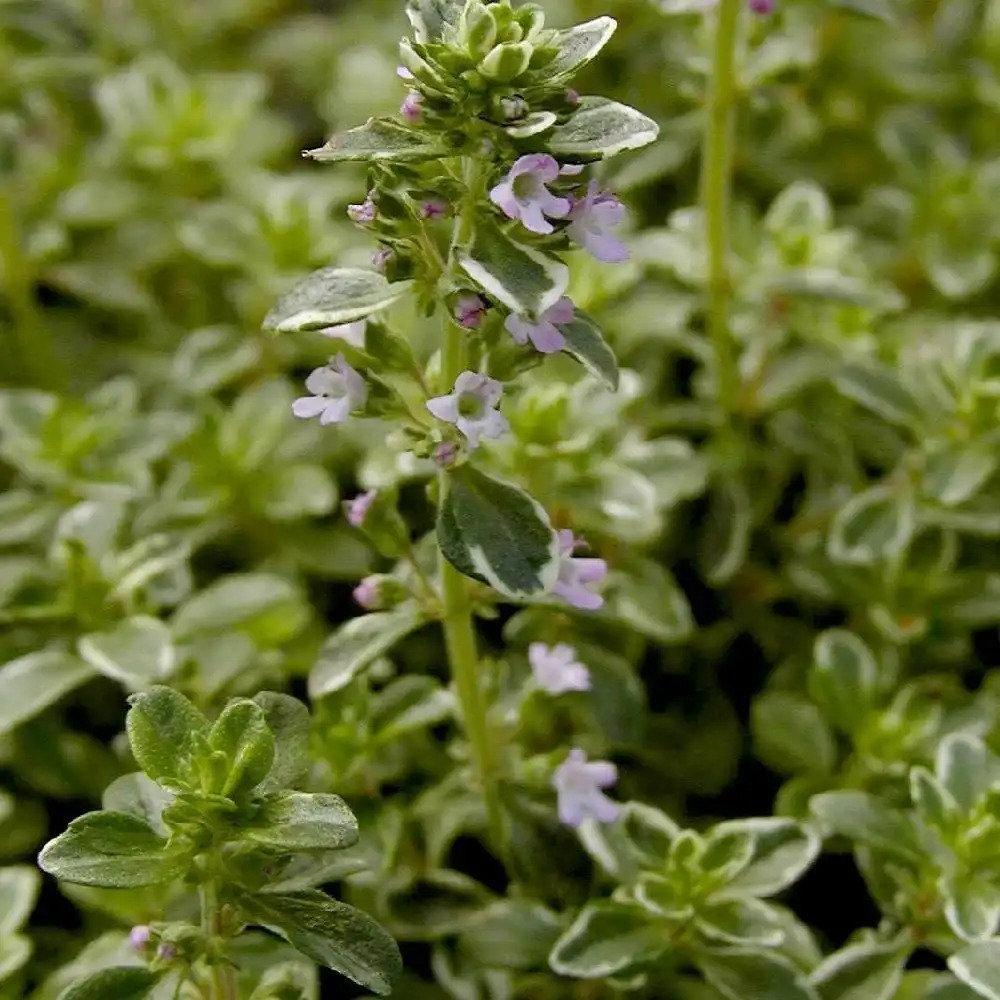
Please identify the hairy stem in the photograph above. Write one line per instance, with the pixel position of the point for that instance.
(716, 176)
(223, 979)
(460, 637)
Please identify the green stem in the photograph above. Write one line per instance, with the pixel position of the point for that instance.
(716, 176)
(223, 979)
(459, 634)
(32, 344)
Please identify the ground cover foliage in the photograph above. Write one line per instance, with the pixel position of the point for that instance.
(312, 690)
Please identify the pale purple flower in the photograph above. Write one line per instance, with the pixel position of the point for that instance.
(353, 333)
(356, 508)
(590, 220)
(522, 194)
(166, 952)
(762, 6)
(544, 332)
(557, 669)
(433, 208)
(381, 258)
(575, 574)
(469, 311)
(337, 390)
(578, 783)
(412, 107)
(366, 593)
(362, 214)
(140, 936)
(472, 407)
(572, 97)
(404, 74)
(445, 454)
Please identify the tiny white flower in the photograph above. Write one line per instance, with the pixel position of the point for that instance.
(557, 669)
(578, 783)
(352, 333)
(337, 390)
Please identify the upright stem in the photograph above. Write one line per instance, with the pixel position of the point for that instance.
(716, 172)
(223, 980)
(460, 637)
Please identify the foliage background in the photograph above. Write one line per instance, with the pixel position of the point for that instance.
(154, 204)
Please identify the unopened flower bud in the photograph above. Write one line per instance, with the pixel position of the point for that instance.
(412, 107)
(362, 214)
(469, 311)
(140, 936)
(572, 97)
(433, 208)
(513, 108)
(444, 454)
(379, 591)
(381, 258)
(356, 509)
(762, 7)
(166, 952)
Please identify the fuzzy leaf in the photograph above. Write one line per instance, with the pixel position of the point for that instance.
(579, 45)
(138, 796)
(109, 849)
(120, 982)
(329, 932)
(380, 139)
(428, 18)
(872, 526)
(953, 475)
(586, 343)
(978, 965)
(973, 909)
(497, 533)
(301, 821)
(966, 767)
(511, 933)
(740, 921)
(163, 728)
(332, 296)
(32, 683)
(137, 652)
(523, 279)
(790, 735)
(19, 887)
(606, 938)
(359, 642)
(288, 720)
(241, 734)
(866, 820)
(843, 678)
(880, 390)
(601, 128)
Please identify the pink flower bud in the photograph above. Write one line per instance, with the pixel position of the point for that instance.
(412, 107)
(357, 508)
(140, 936)
(367, 595)
(469, 311)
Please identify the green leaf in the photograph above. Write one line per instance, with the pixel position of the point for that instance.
(966, 767)
(429, 18)
(164, 729)
(601, 128)
(740, 921)
(331, 933)
(138, 796)
(332, 296)
(843, 678)
(790, 735)
(586, 343)
(725, 540)
(511, 934)
(933, 802)
(359, 642)
(952, 475)
(497, 533)
(32, 683)
(738, 975)
(122, 982)
(521, 278)
(866, 820)
(269, 608)
(879, 10)
(783, 850)
(640, 839)
(644, 594)
(381, 139)
(880, 389)
(579, 45)
(972, 909)
(112, 850)
(242, 735)
(19, 887)
(137, 652)
(288, 720)
(606, 938)
(662, 897)
(15, 950)
(865, 971)
(873, 526)
(978, 966)
(301, 821)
